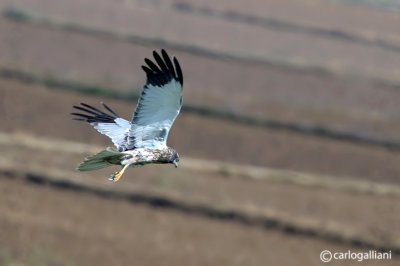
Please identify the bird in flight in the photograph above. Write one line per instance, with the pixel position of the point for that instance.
(143, 140)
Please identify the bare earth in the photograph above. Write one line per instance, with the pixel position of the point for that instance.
(53, 225)
(323, 63)
(196, 136)
(88, 230)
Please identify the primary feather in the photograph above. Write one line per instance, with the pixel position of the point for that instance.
(158, 106)
(111, 125)
(159, 103)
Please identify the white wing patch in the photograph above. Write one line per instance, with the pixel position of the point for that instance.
(117, 131)
(109, 124)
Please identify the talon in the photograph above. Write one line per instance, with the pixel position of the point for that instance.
(117, 175)
(112, 177)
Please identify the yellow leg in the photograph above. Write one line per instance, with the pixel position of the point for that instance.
(117, 175)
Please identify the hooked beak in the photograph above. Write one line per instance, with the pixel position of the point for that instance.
(175, 163)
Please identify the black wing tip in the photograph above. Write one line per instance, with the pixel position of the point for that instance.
(109, 109)
(155, 54)
(152, 66)
(91, 114)
(178, 70)
(161, 73)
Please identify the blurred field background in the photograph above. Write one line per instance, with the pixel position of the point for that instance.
(289, 135)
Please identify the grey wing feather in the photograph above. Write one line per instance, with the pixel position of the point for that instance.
(159, 103)
(111, 125)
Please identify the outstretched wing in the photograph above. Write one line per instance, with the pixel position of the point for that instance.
(111, 125)
(159, 103)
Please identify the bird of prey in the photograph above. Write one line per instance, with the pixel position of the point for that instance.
(143, 140)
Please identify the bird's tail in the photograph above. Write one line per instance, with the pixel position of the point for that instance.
(100, 160)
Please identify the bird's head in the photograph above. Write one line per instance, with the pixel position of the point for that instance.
(175, 158)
